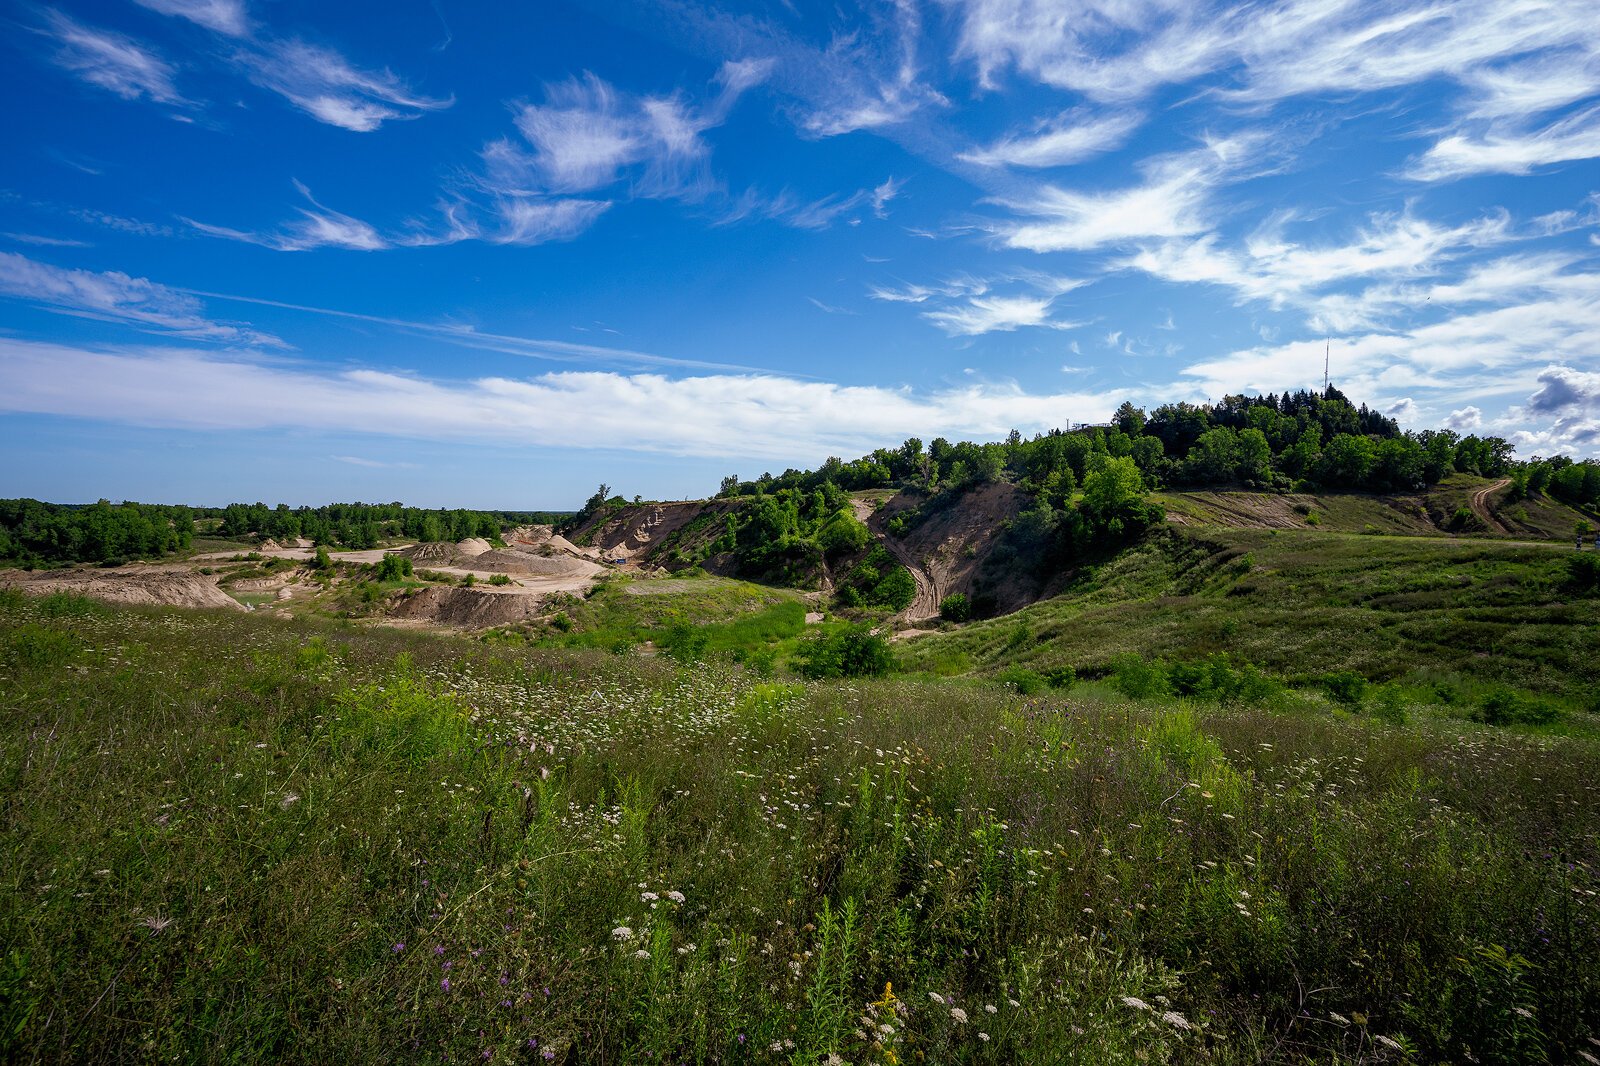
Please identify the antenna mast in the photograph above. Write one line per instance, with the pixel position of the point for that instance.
(1326, 349)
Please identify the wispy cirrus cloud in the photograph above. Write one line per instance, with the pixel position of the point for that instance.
(116, 297)
(112, 61)
(790, 209)
(968, 306)
(1513, 148)
(328, 87)
(1270, 266)
(1068, 138)
(1120, 50)
(723, 415)
(317, 227)
(228, 17)
(1170, 202)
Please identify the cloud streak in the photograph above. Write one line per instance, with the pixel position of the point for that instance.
(726, 416)
(117, 297)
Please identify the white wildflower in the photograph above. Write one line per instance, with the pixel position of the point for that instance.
(1176, 1020)
(1135, 1002)
(959, 1015)
(622, 932)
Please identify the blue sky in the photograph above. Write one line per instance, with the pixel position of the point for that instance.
(491, 255)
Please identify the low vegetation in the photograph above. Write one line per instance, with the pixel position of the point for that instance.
(234, 838)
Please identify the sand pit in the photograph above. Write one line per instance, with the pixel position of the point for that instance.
(466, 608)
(148, 585)
(473, 546)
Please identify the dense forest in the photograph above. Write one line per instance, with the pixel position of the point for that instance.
(32, 532)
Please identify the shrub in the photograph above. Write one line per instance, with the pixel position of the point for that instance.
(500, 579)
(1028, 682)
(1507, 706)
(1062, 677)
(684, 641)
(853, 651)
(955, 608)
(1139, 678)
(394, 568)
(1346, 687)
(1583, 573)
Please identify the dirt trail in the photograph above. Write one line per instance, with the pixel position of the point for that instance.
(926, 603)
(1480, 505)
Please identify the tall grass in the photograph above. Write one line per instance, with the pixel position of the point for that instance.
(231, 838)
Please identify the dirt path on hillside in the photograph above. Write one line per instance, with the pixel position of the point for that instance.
(1480, 505)
(926, 603)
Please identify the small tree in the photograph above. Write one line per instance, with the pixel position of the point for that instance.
(955, 608)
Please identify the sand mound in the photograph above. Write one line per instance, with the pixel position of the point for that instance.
(472, 546)
(529, 564)
(432, 552)
(466, 608)
(175, 588)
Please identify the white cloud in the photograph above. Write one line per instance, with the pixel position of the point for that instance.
(760, 416)
(228, 17)
(112, 61)
(1510, 150)
(995, 314)
(326, 86)
(317, 227)
(1562, 388)
(587, 135)
(1169, 203)
(116, 297)
(1069, 138)
(1465, 420)
(1119, 50)
(1270, 266)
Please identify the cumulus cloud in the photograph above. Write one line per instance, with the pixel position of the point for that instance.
(727, 416)
(1562, 388)
(1466, 419)
(116, 297)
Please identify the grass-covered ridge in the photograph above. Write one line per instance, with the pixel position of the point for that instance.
(1445, 614)
(233, 837)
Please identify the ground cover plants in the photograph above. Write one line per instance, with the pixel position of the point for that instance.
(232, 837)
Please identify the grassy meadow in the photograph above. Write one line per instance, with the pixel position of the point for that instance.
(238, 838)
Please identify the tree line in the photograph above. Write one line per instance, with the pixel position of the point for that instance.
(1296, 441)
(34, 533)
(360, 526)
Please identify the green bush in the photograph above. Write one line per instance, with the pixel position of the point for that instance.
(852, 651)
(1062, 677)
(1346, 687)
(1139, 678)
(1507, 706)
(394, 568)
(955, 608)
(500, 579)
(1028, 682)
(684, 641)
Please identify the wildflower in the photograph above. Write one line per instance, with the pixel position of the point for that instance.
(157, 922)
(641, 954)
(444, 986)
(675, 896)
(622, 932)
(936, 997)
(1176, 1020)
(399, 946)
(990, 1008)
(1135, 1002)
(1387, 1044)
(288, 801)
(984, 1037)
(959, 1015)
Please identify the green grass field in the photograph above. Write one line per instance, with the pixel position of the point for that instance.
(232, 838)
(1442, 613)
